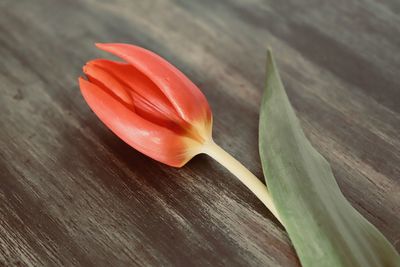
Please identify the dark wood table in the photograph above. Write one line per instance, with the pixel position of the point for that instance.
(72, 193)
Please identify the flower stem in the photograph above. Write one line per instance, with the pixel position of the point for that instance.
(243, 174)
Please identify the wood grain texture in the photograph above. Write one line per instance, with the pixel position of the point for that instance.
(72, 194)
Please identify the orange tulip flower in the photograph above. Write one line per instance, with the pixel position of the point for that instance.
(156, 109)
(148, 103)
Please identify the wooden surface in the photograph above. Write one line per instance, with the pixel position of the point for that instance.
(71, 193)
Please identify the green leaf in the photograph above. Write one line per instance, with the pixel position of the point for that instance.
(324, 228)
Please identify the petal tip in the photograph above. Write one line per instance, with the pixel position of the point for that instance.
(91, 64)
(85, 68)
(104, 46)
(112, 47)
(82, 81)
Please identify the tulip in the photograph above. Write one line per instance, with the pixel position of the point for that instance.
(156, 109)
(148, 103)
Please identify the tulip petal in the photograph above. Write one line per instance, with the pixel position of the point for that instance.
(187, 99)
(103, 78)
(149, 101)
(156, 142)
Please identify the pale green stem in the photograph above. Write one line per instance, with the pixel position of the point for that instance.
(243, 174)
